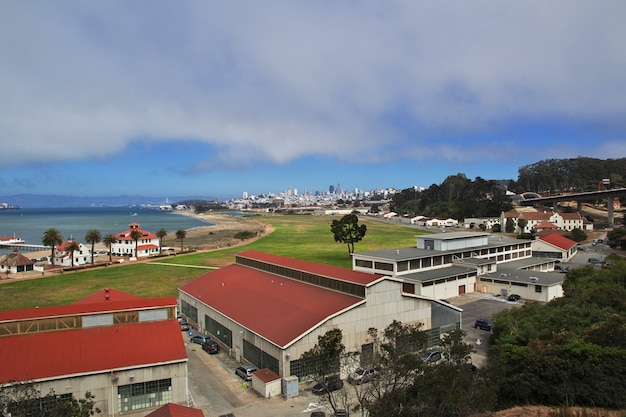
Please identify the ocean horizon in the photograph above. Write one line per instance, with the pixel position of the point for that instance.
(30, 224)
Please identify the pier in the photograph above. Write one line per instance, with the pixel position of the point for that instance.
(25, 246)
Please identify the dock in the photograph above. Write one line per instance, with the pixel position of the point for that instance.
(25, 246)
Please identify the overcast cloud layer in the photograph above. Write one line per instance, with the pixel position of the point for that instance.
(274, 81)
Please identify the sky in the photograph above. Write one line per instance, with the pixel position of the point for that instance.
(217, 98)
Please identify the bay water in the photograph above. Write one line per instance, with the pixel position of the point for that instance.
(30, 224)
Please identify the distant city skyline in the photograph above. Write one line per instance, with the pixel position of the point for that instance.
(158, 98)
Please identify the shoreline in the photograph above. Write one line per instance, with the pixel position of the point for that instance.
(219, 233)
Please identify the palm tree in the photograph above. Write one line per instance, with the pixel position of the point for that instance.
(93, 236)
(52, 237)
(161, 233)
(181, 234)
(71, 247)
(109, 240)
(135, 235)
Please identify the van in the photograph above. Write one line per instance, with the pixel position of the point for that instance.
(245, 372)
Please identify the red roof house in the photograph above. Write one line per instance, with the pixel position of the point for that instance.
(175, 410)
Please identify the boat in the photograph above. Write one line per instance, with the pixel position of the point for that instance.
(11, 240)
(6, 206)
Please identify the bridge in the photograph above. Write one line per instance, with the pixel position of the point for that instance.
(609, 195)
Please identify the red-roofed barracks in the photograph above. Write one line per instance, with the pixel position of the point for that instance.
(555, 246)
(147, 244)
(125, 350)
(268, 310)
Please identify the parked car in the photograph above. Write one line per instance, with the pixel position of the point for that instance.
(318, 414)
(341, 412)
(483, 324)
(184, 326)
(199, 338)
(362, 375)
(211, 347)
(514, 297)
(245, 372)
(431, 356)
(332, 383)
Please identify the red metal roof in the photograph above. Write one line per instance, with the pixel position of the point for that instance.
(559, 241)
(276, 308)
(266, 375)
(108, 348)
(175, 410)
(87, 308)
(334, 272)
(135, 226)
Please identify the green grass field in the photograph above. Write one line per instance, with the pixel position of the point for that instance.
(297, 236)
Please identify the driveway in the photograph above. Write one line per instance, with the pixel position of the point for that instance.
(480, 306)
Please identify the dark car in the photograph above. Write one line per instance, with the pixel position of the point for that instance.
(431, 356)
(514, 297)
(245, 372)
(483, 324)
(211, 347)
(341, 412)
(318, 414)
(330, 384)
(199, 338)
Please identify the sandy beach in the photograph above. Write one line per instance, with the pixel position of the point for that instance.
(219, 235)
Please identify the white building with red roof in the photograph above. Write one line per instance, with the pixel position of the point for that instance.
(268, 310)
(15, 262)
(127, 351)
(64, 257)
(147, 244)
(555, 246)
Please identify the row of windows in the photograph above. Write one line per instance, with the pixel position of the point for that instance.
(421, 263)
(222, 333)
(259, 358)
(538, 288)
(144, 395)
(310, 278)
(449, 279)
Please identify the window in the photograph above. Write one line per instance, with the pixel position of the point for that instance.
(537, 288)
(144, 395)
(408, 288)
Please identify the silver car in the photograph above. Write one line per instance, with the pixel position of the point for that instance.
(362, 375)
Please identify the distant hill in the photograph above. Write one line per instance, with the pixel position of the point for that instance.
(41, 201)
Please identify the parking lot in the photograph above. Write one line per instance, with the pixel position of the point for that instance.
(216, 389)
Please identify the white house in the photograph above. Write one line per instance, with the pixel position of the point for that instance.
(147, 244)
(64, 257)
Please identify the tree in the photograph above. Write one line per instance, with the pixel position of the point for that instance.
(109, 240)
(93, 236)
(135, 235)
(72, 246)
(181, 234)
(52, 237)
(509, 226)
(323, 360)
(21, 399)
(161, 233)
(348, 231)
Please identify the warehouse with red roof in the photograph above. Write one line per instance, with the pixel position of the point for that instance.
(127, 351)
(268, 310)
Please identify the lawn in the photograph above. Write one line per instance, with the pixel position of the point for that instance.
(297, 236)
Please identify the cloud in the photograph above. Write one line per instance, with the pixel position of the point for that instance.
(277, 81)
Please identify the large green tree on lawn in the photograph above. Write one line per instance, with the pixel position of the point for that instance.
(347, 230)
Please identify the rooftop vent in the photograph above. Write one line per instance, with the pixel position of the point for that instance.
(534, 279)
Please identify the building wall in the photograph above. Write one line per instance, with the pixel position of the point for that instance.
(105, 388)
(446, 289)
(527, 292)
